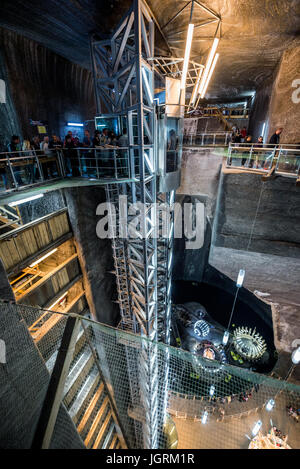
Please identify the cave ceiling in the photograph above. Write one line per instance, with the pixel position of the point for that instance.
(254, 33)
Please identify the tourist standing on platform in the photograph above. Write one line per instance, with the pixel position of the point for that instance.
(71, 156)
(46, 166)
(275, 139)
(35, 144)
(87, 143)
(243, 134)
(15, 146)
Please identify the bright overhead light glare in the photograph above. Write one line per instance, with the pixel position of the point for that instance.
(240, 279)
(23, 201)
(225, 337)
(270, 405)
(296, 356)
(75, 124)
(195, 90)
(57, 301)
(187, 55)
(210, 75)
(209, 61)
(44, 257)
(204, 417)
(256, 428)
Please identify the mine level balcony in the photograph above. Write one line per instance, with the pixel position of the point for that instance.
(207, 139)
(268, 160)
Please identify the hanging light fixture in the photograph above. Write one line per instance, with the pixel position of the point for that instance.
(208, 65)
(210, 75)
(187, 55)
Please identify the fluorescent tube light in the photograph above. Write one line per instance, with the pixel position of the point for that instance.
(256, 428)
(195, 90)
(57, 301)
(240, 278)
(23, 201)
(210, 75)
(270, 405)
(187, 55)
(208, 65)
(75, 124)
(204, 417)
(44, 257)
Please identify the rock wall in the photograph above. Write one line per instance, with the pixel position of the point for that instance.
(44, 87)
(9, 122)
(273, 205)
(277, 101)
(285, 102)
(95, 255)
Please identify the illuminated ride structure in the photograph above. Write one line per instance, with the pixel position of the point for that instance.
(196, 331)
(126, 75)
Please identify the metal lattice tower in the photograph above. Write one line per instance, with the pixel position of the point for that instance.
(124, 83)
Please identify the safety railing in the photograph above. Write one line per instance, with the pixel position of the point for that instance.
(229, 113)
(22, 169)
(207, 138)
(283, 159)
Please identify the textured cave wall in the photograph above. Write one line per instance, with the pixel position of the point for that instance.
(283, 110)
(260, 110)
(276, 229)
(9, 122)
(95, 255)
(200, 176)
(44, 86)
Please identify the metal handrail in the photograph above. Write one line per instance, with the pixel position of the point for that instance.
(272, 158)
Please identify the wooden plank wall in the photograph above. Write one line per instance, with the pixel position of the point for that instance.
(25, 242)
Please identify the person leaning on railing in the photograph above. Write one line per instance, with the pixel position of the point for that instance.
(70, 155)
(30, 163)
(248, 142)
(14, 147)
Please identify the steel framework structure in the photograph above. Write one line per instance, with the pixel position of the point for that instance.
(124, 84)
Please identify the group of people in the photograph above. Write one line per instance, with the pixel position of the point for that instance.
(257, 160)
(26, 170)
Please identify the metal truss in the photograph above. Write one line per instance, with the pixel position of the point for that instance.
(124, 85)
(171, 67)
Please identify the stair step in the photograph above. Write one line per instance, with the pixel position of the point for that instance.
(103, 430)
(84, 395)
(109, 436)
(78, 373)
(114, 441)
(96, 422)
(92, 405)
